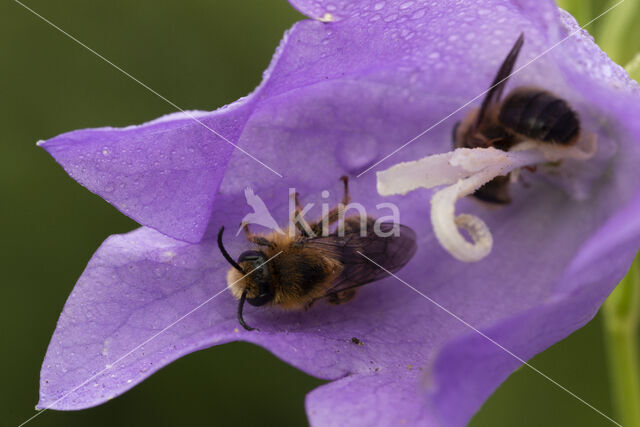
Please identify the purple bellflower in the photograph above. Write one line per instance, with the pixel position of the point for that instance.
(345, 89)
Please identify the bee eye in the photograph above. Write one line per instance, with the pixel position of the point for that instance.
(260, 275)
(265, 290)
(258, 259)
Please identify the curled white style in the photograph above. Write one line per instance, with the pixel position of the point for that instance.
(463, 171)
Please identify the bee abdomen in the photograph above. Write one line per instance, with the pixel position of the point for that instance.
(540, 115)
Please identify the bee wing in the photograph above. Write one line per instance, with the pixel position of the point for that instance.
(391, 253)
(500, 82)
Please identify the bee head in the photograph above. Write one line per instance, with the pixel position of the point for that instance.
(258, 286)
(248, 279)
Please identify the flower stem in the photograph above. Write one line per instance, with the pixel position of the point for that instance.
(621, 317)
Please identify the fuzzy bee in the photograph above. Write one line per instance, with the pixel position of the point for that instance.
(294, 270)
(526, 113)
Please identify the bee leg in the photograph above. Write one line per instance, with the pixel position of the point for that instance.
(334, 214)
(255, 238)
(301, 224)
(341, 297)
(346, 198)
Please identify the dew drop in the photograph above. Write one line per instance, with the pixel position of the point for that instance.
(391, 18)
(105, 348)
(418, 14)
(356, 154)
(327, 17)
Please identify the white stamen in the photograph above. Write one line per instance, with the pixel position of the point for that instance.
(446, 225)
(465, 170)
(428, 172)
(555, 153)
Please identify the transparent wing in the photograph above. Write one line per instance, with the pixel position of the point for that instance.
(500, 82)
(391, 252)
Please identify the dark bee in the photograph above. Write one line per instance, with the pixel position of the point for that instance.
(304, 268)
(526, 113)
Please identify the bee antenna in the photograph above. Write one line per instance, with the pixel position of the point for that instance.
(240, 305)
(225, 254)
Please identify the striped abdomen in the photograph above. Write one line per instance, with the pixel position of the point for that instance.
(540, 115)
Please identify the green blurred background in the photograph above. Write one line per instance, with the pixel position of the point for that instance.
(201, 55)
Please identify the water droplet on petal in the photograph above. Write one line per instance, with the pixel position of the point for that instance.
(418, 14)
(391, 17)
(357, 154)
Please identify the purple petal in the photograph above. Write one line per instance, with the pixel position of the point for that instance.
(338, 10)
(164, 174)
(467, 370)
(381, 399)
(340, 97)
(133, 287)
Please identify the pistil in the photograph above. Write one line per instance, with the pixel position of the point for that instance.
(463, 171)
